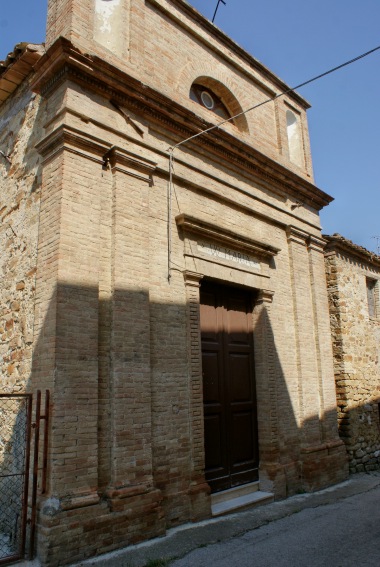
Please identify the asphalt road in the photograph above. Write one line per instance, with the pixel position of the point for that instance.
(342, 534)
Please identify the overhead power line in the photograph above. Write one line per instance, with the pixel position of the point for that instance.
(207, 130)
(290, 90)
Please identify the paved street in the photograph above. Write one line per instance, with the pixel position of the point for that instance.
(337, 527)
(341, 534)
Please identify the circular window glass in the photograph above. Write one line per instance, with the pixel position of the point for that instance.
(207, 100)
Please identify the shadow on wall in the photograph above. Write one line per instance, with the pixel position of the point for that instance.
(299, 452)
(127, 412)
(359, 424)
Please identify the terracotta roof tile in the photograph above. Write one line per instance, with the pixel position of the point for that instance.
(338, 241)
(17, 66)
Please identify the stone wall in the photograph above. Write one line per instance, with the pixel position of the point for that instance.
(356, 345)
(19, 215)
(19, 225)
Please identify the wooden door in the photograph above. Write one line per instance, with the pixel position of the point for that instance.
(229, 397)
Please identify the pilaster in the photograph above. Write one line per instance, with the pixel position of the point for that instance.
(271, 471)
(130, 457)
(326, 382)
(322, 458)
(306, 347)
(199, 489)
(67, 308)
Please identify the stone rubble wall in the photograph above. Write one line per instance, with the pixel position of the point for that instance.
(356, 346)
(19, 216)
(19, 219)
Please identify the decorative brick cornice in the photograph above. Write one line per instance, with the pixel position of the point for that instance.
(74, 141)
(126, 162)
(265, 296)
(92, 148)
(212, 232)
(315, 243)
(192, 279)
(63, 63)
(296, 235)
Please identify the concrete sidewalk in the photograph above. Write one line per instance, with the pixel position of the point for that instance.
(180, 541)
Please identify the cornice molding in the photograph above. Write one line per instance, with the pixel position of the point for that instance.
(129, 163)
(296, 235)
(265, 296)
(192, 279)
(315, 243)
(212, 232)
(63, 62)
(304, 239)
(74, 141)
(66, 138)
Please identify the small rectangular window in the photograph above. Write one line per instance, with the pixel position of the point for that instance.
(371, 297)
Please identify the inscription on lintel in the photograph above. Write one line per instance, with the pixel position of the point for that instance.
(224, 253)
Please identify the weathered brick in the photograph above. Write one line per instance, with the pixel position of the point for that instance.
(116, 334)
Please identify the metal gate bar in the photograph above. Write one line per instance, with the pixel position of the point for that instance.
(36, 426)
(16, 449)
(37, 433)
(19, 443)
(46, 418)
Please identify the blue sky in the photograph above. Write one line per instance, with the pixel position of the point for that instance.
(298, 40)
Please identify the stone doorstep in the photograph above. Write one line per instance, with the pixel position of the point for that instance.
(239, 498)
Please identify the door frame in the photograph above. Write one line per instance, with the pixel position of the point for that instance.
(231, 472)
(266, 388)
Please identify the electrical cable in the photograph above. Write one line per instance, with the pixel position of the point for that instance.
(216, 126)
(216, 9)
(277, 96)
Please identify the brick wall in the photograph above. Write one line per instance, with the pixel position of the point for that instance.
(173, 37)
(120, 254)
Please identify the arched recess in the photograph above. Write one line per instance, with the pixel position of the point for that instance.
(227, 98)
(294, 138)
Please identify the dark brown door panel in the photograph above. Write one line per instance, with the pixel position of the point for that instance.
(231, 447)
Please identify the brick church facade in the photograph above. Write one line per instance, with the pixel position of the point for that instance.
(169, 293)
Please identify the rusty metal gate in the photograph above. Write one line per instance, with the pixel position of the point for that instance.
(18, 432)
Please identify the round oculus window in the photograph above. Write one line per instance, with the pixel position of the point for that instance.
(207, 100)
